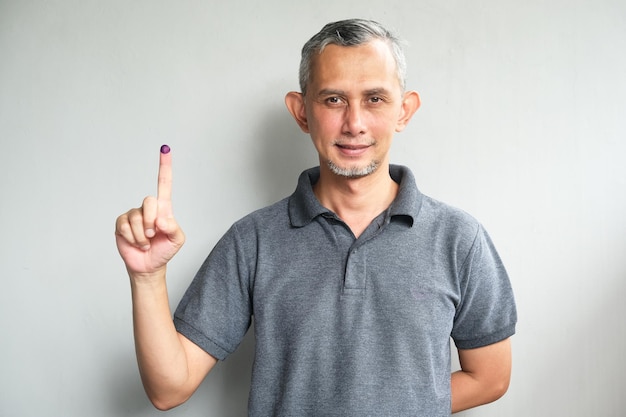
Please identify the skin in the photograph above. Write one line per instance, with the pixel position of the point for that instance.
(353, 107)
(484, 376)
(148, 237)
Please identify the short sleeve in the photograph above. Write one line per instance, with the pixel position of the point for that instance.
(486, 313)
(215, 311)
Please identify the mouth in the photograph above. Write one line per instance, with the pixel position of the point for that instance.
(349, 149)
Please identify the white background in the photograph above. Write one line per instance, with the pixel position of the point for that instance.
(522, 125)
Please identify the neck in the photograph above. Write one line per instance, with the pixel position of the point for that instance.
(357, 201)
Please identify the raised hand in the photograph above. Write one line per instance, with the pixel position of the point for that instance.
(148, 237)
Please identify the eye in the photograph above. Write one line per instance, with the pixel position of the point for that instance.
(333, 100)
(376, 99)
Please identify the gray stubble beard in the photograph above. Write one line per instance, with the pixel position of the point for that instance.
(353, 172)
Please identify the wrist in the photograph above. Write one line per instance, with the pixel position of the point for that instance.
(147, 279)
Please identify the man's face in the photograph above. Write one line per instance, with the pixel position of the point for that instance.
(353, 106)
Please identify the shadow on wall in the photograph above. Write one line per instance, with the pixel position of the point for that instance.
(285, 151)
(127, 395)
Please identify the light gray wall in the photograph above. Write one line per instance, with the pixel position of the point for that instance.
(522, 125)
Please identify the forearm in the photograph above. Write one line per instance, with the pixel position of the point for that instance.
(468, 392)
(484, 376)
(160, 354)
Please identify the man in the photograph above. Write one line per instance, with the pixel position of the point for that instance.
(356, 282)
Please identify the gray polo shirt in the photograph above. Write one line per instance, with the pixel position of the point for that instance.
(345, 326)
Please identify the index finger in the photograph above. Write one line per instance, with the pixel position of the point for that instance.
(164, 187)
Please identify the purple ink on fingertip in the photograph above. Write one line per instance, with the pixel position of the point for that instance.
(165, 149)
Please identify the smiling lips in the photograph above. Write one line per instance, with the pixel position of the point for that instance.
(353, 149)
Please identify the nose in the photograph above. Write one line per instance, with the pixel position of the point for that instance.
(354, 120)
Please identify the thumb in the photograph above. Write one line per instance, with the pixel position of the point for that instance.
(170, 228)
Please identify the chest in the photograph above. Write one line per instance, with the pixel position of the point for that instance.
(394, 281)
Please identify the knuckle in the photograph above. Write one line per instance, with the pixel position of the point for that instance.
(148, 201)
(124, 230)
(119, 222)
(135, 216)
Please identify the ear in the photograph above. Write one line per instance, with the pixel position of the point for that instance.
(295, 105)
(410, 103)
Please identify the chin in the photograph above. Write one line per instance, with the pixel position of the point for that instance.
(353, 171)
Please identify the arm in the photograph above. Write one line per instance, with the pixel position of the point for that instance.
(147, 238)
(171, 366)
(484, 376)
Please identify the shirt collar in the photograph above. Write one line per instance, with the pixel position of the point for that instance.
(304, 206)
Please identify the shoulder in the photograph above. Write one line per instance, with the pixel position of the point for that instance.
(264, 221)
(447, 218)
(247, 234)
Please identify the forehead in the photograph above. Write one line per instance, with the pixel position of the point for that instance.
(370, 65)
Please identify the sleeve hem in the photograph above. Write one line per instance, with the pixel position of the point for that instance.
(201, 340)
(490, 339)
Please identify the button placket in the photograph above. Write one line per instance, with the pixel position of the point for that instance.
(356, 269)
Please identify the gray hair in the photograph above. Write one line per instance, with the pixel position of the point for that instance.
(352, 32)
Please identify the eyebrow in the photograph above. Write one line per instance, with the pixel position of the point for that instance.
(370, 92)
(377, 92)
(331, 92)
